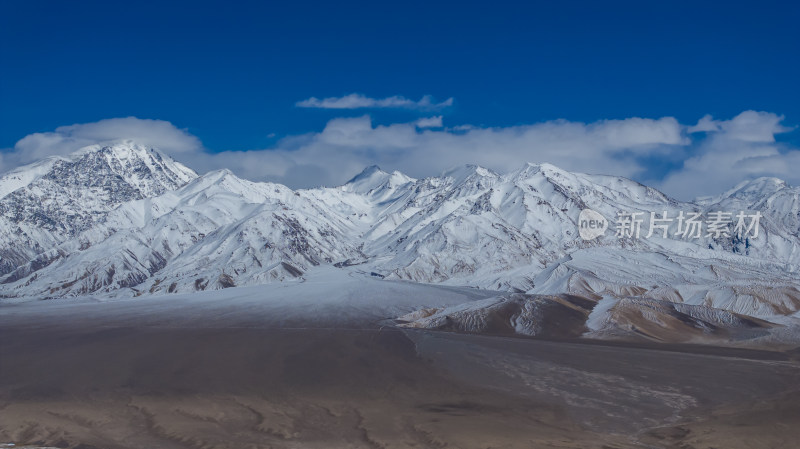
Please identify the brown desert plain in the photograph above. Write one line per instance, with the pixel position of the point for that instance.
(284, 367)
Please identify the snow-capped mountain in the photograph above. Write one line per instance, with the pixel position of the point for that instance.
(56, 200)
(124, 219)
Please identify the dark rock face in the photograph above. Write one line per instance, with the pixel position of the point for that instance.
(75, 195)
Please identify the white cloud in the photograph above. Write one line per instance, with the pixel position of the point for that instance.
(721, 153)
(358, 101)
(430, 122)
(705, 124)
(66, 139)
(346, 145)
(749, 126)
(743, 147)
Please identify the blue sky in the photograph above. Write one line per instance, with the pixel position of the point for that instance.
(232, 73)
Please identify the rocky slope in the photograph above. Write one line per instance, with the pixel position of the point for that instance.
(123, 219)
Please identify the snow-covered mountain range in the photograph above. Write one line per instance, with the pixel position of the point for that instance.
(125, 219)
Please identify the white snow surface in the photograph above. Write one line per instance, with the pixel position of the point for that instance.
(324, 297)
(124, 220)
(599, 317)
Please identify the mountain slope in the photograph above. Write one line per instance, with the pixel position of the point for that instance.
(124, 219)
(51, 202)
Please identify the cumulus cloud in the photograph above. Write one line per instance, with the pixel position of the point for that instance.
(716, 154)
(743, 147)
(705, 124)
(749, 126)
(358, 101)
(66, 139)
(430, 122)
(346, 145)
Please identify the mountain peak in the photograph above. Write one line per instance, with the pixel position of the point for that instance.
(752, 190)
(133, 160)
(763, 183)
(68, 194)
(373, 179)
(463, 172)
(119, 149)
(367, 173)
(529, 170)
